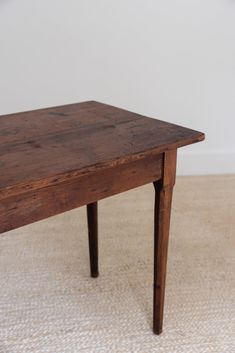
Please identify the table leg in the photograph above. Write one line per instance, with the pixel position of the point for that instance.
(92, 220)
(162, 212)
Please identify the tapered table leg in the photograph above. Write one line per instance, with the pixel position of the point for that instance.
(162, 212)
(92, 220)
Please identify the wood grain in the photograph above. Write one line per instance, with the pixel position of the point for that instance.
(34, 205)
(162, 213)
(55, 159)
(49, 146)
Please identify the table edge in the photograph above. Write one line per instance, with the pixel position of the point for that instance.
(20, 188)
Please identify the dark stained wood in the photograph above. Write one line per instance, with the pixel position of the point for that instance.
(34, 205)
(162, 212)
(49, 146)
(56, 159)
(92, 221)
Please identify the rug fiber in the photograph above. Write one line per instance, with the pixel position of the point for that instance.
(48, 302)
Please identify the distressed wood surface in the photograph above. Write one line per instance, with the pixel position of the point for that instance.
(56, 159)
(34, 205)
(162, 213)
(49, 146)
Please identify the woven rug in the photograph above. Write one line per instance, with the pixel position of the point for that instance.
(48, 302)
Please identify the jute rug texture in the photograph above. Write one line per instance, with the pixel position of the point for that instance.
(48, 302)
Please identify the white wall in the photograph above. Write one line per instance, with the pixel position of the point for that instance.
(173, 59)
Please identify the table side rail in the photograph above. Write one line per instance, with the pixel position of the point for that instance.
(32, 206)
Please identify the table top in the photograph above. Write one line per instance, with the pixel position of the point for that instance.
(46, 146)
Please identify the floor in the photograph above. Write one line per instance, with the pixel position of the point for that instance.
(48, 302)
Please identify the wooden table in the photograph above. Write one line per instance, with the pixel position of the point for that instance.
(53, 160)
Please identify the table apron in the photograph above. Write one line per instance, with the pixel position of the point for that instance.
(32, 206)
